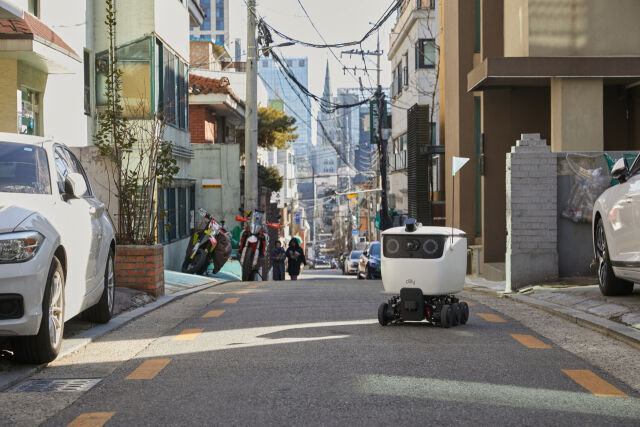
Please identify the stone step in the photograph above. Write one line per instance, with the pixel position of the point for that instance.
(494, 271)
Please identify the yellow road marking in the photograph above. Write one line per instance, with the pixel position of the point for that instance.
(489, 317)
(213, 313)
(243, 292)
(230, 301)
(530, 341)
(593, 383)
(187, 335)
(91, 419)
(148, 369)
(252, 287)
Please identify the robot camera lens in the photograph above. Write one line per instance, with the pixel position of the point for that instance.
(412, 245)
(430, 246)
(392, 246)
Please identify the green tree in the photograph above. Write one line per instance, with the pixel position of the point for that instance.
(270, 177)
(275, 130)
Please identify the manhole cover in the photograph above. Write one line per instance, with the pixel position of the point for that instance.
(65, 385)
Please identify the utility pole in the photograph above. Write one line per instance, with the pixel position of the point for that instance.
(251, 114)
(382, 150)
(315, 201)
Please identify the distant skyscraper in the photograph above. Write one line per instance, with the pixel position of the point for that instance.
(294, 106)
(215, 27)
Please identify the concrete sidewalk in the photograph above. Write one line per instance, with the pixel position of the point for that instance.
(579, 301)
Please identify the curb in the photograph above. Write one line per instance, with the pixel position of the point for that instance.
(75, 343)
(606, 327)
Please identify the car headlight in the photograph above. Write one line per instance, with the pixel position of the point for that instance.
(19, 247)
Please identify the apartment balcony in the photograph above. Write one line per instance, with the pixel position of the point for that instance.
(410, 11)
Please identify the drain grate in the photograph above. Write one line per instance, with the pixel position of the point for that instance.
(61, 385)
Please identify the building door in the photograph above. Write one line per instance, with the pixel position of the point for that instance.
(477, 136)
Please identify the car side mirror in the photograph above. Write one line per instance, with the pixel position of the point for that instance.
(74, 186)
(620, 170)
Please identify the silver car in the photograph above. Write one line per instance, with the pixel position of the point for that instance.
(616, 230)
(57, 246)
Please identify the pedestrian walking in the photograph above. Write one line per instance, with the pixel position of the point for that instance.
(295, 255)
(278, 256)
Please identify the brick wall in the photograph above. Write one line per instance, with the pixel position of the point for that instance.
(531, 195)
(140, 267)
(202, 124)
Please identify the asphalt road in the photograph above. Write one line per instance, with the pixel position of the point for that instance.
(312, 353)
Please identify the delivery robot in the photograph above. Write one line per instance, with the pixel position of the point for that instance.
(422, 268)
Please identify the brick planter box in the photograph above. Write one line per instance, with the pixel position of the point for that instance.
(140, 267)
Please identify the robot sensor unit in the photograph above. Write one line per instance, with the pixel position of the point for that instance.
(422, 268)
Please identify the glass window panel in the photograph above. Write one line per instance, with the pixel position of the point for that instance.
(169, 86)
(182, 212)
(87, 82)
(171, 214)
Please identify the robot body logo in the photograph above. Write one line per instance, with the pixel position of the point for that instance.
(410, 282)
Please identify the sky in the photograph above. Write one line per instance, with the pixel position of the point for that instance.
(337, 21)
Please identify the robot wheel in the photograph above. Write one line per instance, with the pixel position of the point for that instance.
(412, 305)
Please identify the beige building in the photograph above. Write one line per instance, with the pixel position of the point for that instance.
(566, 69)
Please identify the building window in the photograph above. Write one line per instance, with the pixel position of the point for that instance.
(219, 15)
(134, 62)
(87, 82)
(172, 220)
(172, 83)
(426, 53)
(301, 63)
(34, 8)
(405, 69)
(206, 7)
(29, 112)
(399, 79)
(478, 26)
(220, 39)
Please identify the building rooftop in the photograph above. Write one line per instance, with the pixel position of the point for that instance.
(200, 85)
(32, 28)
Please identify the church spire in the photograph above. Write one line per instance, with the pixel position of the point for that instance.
(326, 93)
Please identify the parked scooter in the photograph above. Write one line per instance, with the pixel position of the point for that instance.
(212, 244)
(253, 243)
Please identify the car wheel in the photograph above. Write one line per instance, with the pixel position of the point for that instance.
(45, 346)
(103, 310)
(609, 284)
(369, 274)
(359, 275)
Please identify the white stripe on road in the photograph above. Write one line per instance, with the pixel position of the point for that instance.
(498, 395)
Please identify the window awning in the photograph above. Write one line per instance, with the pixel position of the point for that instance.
(31, 41)
(538, 71)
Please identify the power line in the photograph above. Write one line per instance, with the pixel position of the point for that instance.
(394, 5)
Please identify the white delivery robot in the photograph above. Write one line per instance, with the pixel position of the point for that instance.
(423, 267)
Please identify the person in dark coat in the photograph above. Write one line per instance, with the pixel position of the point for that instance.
(295, 255)
(277, 261)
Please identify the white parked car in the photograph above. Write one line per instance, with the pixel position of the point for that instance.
(616, 231)
(57, 246)
(351, 262)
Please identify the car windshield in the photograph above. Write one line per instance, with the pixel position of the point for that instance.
(23, 169)
(356, 254)
(374, 249)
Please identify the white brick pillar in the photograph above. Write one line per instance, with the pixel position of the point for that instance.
(532, 217)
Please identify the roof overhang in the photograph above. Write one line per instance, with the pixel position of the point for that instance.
(538, 71)
(32, 42)
(10, 10)
(223, 104)
(196, 13)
